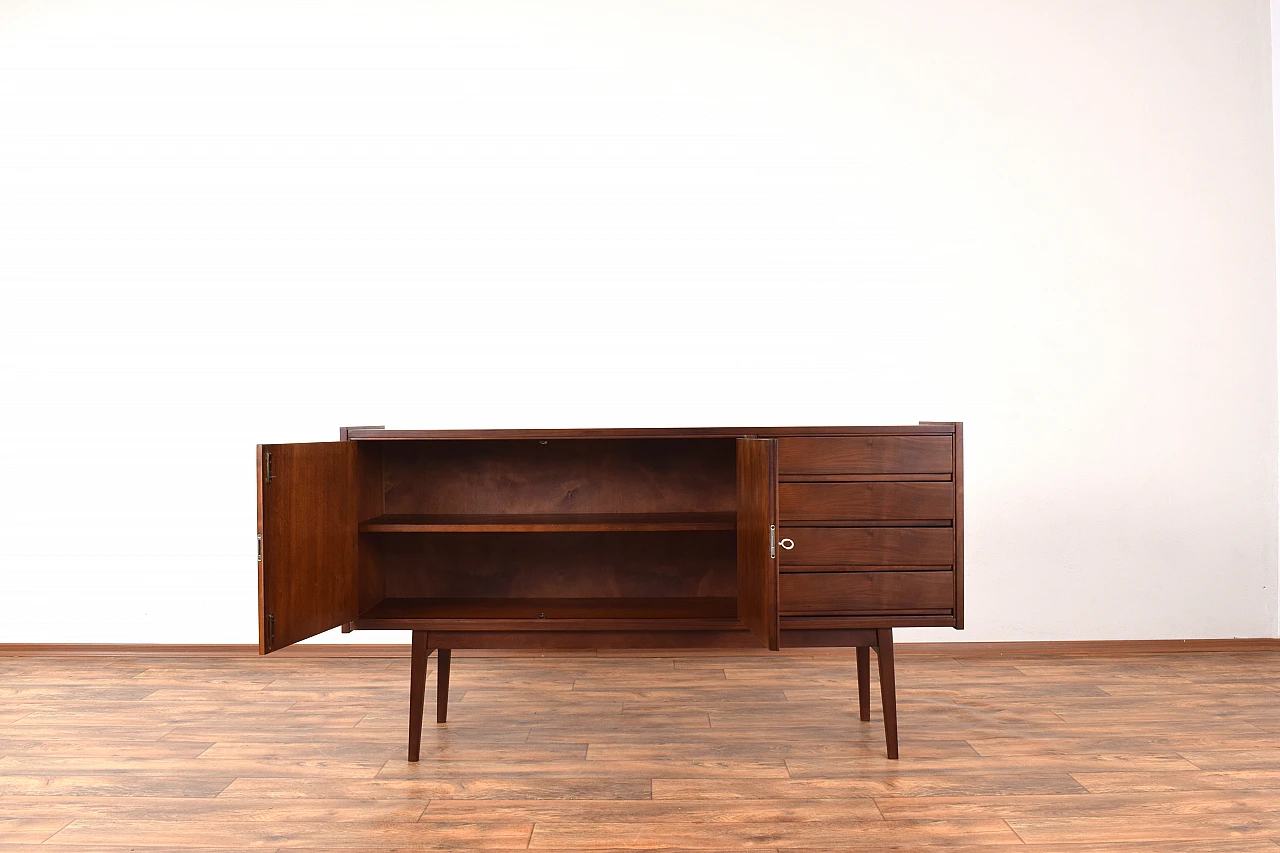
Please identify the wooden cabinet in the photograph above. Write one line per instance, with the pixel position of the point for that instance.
(726, 538)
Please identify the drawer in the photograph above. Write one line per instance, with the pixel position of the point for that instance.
(855, 593)
(867, 546)
(866, 454)
(865, 501)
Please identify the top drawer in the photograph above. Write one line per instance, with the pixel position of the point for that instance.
(866, 454)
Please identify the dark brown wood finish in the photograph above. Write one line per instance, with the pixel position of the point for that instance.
(875, 546)
(863, 593)
(704, 636)
(557, 565)
(888, 688)
(419, 652)
(871, 454)
(383, 434)
(866, 502)
(372, 580)
(573, 539)
(308, 573)
(550, 523)
(959, 525)
(897, 620)
(442, 685)
(549, 612)
(864, 683)
(757, 604)
(559, 476)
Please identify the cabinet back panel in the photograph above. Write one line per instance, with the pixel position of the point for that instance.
(560, 476)
(557, 565)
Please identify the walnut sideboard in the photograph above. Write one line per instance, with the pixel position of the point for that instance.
(615, 538)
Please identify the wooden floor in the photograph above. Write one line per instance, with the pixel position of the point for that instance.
(1173, 752)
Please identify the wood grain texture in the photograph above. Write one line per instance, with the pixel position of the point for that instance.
(550, 523)
(868, 546)
(865, 501)
(707, 751)
(308, 575)
(855, 593)
(866, 454)
(419, 650)
(561, 477)
(757, 502)
(557, 565)
(369, 503)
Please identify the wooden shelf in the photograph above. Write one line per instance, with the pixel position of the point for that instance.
(553, 523)
(554, 614)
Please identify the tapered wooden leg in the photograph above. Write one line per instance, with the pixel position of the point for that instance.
(864, 683)
(442, 685)
(417, 690)
(888, 693)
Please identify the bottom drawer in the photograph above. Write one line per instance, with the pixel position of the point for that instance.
(854, 593)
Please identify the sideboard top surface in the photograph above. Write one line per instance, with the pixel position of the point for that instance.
(380, 434)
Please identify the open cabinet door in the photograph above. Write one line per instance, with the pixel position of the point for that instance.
(757, 553)
(308, 539)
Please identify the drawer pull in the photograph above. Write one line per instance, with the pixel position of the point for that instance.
(787, 544)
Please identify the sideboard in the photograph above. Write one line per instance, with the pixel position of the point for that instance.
(615, 538)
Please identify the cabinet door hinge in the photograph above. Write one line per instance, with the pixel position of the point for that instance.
(773, 545)
(271, 631)
(259, 547)
(267, 470)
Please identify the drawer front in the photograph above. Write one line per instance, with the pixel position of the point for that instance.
(866, 454)
(856, 593)
(867, 546)
(865, 501)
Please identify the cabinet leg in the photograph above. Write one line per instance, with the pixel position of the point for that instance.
(888, 693)
(864, 683)
(442, 685)
(417, 690)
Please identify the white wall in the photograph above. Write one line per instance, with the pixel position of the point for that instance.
(228, 223)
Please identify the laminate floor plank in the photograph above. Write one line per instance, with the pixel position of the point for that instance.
(1125, 782)
(107, 785)
(285, 834)
(647, 811)
(836, 829)
(33, 830)
(316, 809)
(925, 786)
(555, 788)
(123, 847)
(701, 750)
(1256, 825)
(1017, 806)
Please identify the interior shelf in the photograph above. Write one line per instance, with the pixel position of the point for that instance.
(550, 523)
(552, 613)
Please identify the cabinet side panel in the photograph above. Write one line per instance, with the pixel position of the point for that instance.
(307, 507)
(262, 590)
(959, 522)
(757, 513)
